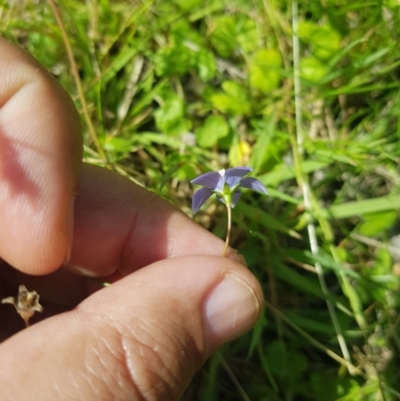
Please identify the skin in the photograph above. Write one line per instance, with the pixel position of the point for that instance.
(143, 337)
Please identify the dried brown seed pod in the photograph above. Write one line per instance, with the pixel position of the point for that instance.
(26, 304)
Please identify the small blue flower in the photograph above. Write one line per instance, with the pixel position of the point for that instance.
(225, 184)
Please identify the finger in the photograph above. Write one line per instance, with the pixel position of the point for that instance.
(40, 154)
(141, 338)
(120, 226)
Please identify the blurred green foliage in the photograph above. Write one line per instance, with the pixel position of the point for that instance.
(176, 88)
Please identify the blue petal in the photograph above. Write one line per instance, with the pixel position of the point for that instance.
(221, 199)
(199, 197)
(235, 197)
(233, 175)
(254, 184)
(209, 180)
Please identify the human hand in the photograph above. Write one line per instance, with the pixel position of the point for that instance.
(173, 300)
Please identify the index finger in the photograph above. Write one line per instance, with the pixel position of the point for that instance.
(40, 157)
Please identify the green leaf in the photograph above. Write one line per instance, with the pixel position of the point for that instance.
(257, 333)
(326, 42)
(284, 362)
(234, 89)
(305, 29)
(175, 60)
(234, 100)
(147, 138)
(187, 4)
(223, 37)
(247, 35)
(312, 69)
(170, 117)
(168, 175)
(264, 70)
(260, 149)
(376, 223)
(283, 172)
(118, 145)
(265, 219)
(310, 324)
(362, 207)
(328, 262)
(215, 127)
(303, 282)
(123, 58)
(206, 65)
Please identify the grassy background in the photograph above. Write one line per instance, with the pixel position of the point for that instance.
(175, 88)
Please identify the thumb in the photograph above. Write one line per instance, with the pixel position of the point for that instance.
(142, 338)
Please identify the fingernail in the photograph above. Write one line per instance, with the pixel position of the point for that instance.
(229, 311)
(82, 271)
(237, 257)
(70, 230)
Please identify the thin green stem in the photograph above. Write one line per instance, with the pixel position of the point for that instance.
(313, 341)
(228, 231)
(298, 150)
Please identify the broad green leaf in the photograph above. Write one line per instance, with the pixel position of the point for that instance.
(206, 65)
(326, 42)
(381, 273)
(383, 263)
(118, 144)
(234, 99)
(174, 60)
(312, 69)
(276, 354)
(215, 127)
(285, 362)
(49, 46)
(305, 29)
(392, 4)
(234, 89)
(328, 387)
(223, 36)
(376, 223)
(247, 35)
(170, 117)
(264, 70)
(357, 393)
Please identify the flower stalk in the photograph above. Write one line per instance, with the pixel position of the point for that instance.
(228, 231)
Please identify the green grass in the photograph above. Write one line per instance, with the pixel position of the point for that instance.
(174, 88)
